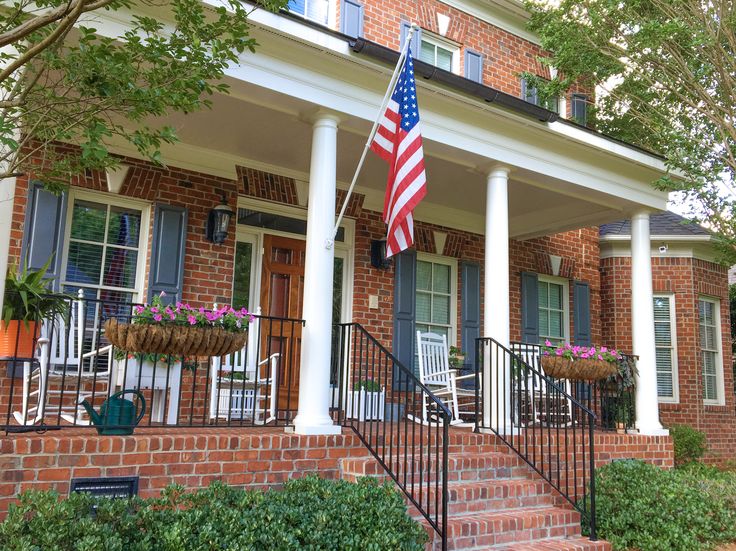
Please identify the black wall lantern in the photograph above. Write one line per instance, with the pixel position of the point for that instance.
(218, 221)
(378, 254)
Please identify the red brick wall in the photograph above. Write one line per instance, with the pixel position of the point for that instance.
(686, 279)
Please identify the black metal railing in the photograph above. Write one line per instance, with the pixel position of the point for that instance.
(72, 368)
(611, 399)
(400, 421)
(539, 420)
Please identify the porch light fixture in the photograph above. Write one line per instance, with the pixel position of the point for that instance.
(378, 254)
(218, 221)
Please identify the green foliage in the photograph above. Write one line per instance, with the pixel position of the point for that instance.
(91, 89)
(369, 385)
(640, 506)
(309, 513)
(666, 67)
(690, 444)
(28, 298)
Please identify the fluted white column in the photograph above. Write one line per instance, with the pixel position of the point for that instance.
(642, 326)
(496, 317)
(7, 196)
(314, 379)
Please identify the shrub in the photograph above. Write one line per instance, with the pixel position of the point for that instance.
(689, 444)
(309, 513)
(640, 506)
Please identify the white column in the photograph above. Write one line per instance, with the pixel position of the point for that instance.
(642, 326)
(496, 317)
(7, 197)
(314, 378)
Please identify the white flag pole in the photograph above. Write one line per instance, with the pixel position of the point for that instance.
(381, 111)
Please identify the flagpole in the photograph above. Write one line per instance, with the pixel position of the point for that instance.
(384, 104)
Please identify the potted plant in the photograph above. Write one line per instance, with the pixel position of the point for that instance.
(26, 302)
(180, 329)
(583, 363)
(366, 402)
(457, 357)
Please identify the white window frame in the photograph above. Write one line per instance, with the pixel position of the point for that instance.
(443, 43)
(565, 304)
(720, 386)
(675, 398)
(251, 234)
(118, 201)
(452, 263)
(331, 14)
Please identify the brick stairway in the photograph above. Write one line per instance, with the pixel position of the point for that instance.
(495, 500)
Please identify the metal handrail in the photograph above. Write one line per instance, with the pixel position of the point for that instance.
(405, 448)
(541, 422)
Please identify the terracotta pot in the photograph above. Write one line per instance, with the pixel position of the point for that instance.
(621, 428)
(25, 337)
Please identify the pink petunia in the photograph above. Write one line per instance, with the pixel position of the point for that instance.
(138, 309)
(158, 317)
(558, 352)
(172, 316)
(604, 349)
(191, 319)
(546, 343)
(600, 357)
(154, 309)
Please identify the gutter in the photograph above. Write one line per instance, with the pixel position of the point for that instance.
(470, 87)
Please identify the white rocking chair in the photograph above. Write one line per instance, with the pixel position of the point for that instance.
(436, 374)
(252, 397)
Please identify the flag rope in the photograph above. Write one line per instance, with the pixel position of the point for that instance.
(386, 98)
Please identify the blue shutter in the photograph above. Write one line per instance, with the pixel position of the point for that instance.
(405, 310)
(416, 39)
(470, 323)
(43, 236)
(167, 252)
(473, 66)
(581, 313)
(529, 308)
(351, 14)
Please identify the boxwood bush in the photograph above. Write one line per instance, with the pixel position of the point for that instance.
(309, 513)
(640, 506)
(689, 444)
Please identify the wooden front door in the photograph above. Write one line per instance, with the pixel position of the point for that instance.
(282, 293)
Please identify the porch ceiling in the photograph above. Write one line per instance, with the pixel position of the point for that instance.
(256, 126)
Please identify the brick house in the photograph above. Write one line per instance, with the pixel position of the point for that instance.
(517, 241)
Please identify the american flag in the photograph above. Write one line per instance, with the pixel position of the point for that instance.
(398, 141)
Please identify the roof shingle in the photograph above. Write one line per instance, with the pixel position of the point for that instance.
(663, 223)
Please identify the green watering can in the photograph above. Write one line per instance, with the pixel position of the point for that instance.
(117, 415)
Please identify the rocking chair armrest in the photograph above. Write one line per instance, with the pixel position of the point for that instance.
(270, 358)
(471, 376)
(97, 352)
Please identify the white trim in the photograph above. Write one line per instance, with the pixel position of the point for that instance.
(720, 386)
(675, 398)
(452, 263)
(565, 283)
(119, 201)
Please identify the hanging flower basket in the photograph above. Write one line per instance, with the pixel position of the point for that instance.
(579, 369)
(180, 330)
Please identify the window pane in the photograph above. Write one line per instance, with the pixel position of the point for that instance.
(662, 334)
(555, 296)
(88, 221)
(120, 267)
(441, 278)
(241, 274)
(84, 263)
(426, 52)
(423, 307)
(124, 227)
(441, 309)
(543, 288)
(317, 10)
(444, 59)
(555, 324)
(297, 6)
(544, 322)
(424, 276)
(661, 309)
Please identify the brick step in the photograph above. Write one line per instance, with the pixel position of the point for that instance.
(461, 467)
(580, 543)
(495, 495)
(414, 434)
(499, 530)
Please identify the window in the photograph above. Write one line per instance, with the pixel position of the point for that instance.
(103, 249)
(579, 109)
(438, 52)
(710, 346)
(315, 10)
(665, 341)
(531, 94)
(552, 296)
(435, 297)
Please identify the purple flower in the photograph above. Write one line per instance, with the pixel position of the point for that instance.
(558, 352)
(158, 317)
(546, 343)
(584, 356)
(154, 309)
(191, 319)
(604, 349)
(138, 309)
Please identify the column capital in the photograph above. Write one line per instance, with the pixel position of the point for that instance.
(493, 169)
(320, 117)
